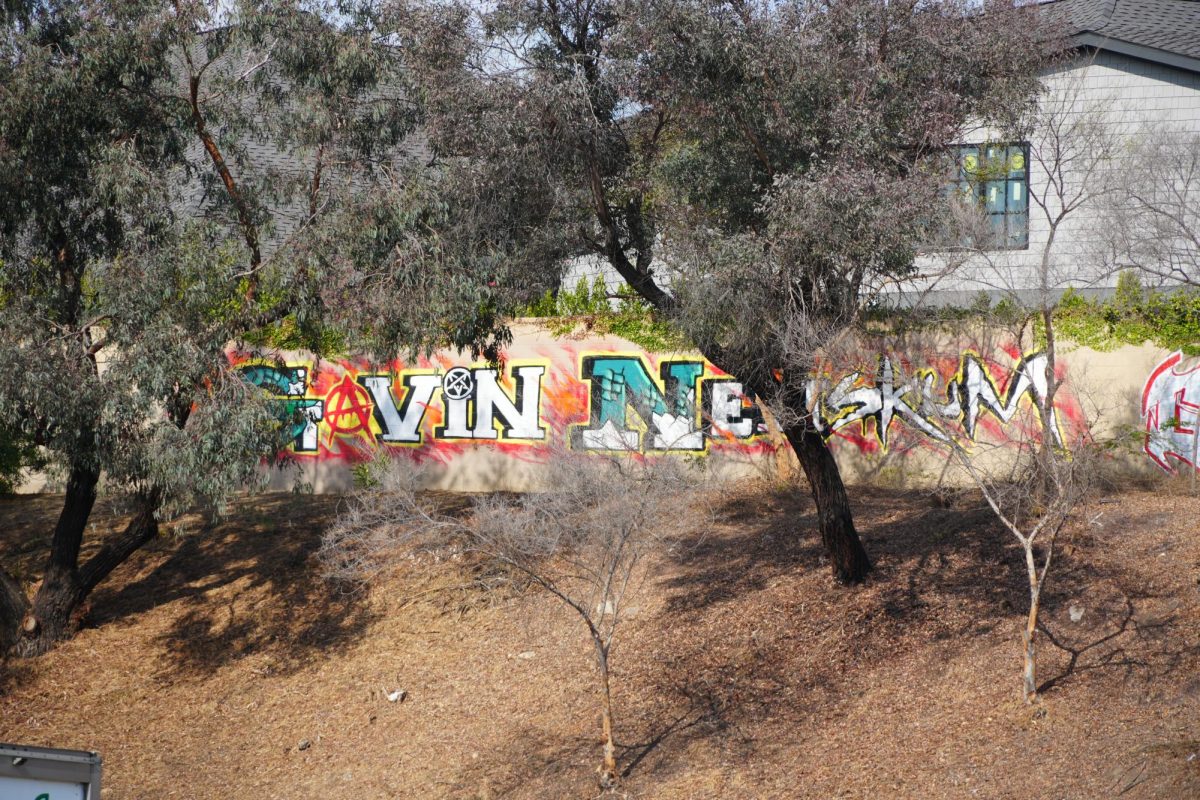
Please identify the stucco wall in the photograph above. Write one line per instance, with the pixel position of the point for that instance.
(887, 410)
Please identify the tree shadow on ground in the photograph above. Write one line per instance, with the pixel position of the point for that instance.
(13, 673)
(248, 584)
(777, 536)
(761, 631)
(533, 763)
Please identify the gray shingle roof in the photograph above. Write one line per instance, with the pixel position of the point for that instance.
(1171, 26)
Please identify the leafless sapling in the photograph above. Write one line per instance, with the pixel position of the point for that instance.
(1032, 486)
(581, 538)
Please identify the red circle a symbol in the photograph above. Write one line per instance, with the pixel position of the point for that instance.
(348, 408)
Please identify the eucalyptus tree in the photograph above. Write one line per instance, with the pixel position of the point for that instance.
(753, 171)
(174, 177)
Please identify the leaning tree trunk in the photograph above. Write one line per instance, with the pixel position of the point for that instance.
(48, 618)
(845, 550)
(65, 583)
(13, 607)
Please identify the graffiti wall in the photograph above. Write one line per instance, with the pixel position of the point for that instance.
(434, 409)
(1171, 412)
(927, 401)
(887, 415)
(481, 426)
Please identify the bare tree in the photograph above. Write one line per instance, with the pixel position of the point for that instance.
(1032, 491)
(1063, 150)
(1072, 148)
(581, 539)
(1152, 219)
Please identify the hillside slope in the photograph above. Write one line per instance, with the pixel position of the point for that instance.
(216, 664)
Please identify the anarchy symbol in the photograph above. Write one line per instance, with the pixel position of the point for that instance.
(458, 383)
(347, 408)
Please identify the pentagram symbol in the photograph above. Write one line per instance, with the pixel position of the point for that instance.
(458, 383)
(347, 408)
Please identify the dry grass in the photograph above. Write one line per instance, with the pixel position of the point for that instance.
(744, 673)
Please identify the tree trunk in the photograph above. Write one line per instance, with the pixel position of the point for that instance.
(65, 584)
(846, 553)
(608, 772)
(14, 605)
(845, 550)
(1030, 641)
(47, 618)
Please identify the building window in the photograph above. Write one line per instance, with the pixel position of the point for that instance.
(996, 177)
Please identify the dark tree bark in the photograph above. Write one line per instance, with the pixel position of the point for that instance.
(13, 607)
(48, 617)
(847, 556)
(845, 550)
(30, 629)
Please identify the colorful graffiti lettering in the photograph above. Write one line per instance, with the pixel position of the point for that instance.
(475, 406)
(347, 409)
(668, 414)
(302, 415)
(620, 401)
(1171, 410)
(971, 392)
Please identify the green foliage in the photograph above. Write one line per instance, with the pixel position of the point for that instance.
(369, 475)
(591, 306)
(890, 320)
(580, 301)
(313, 335)
(758, 149)
(17, 453)
(1133, 315)
(179, 178)
(109, 257)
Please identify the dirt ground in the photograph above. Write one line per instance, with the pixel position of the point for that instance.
(217, 664)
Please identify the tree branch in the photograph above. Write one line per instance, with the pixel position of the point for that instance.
(141, 529)
(240, 205)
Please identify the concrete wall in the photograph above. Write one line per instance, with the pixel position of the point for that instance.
(887, 410)
(477, 428)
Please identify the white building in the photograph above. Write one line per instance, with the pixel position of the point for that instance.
(1132, 77)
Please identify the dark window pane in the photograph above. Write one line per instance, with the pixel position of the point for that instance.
(994, 196)
(1018, 230)
(999, 234)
